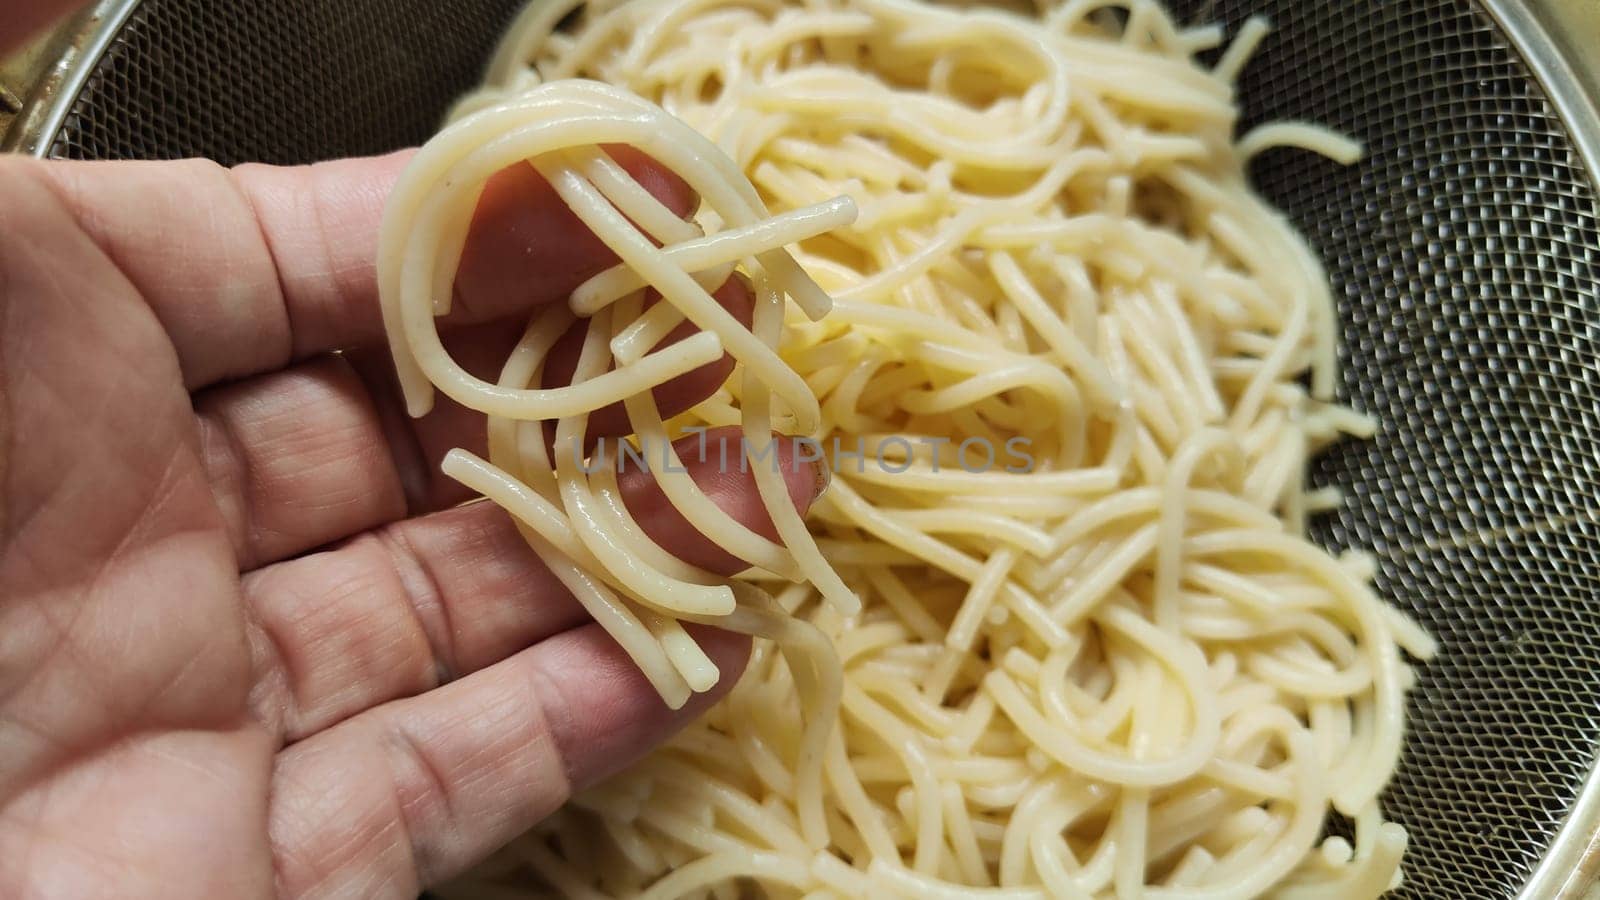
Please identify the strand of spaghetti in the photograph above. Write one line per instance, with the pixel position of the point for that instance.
(614, 511)
(1051, 327)
(841, 497)
(1062, 745)
(560, 875)
(1370, 874)
(817, 674)
(927, 819)
(452, 245)
(403, 273)
(710, 251)
(1285, 853)
(1169, 539)
(731, 196)
(1364, 775)
(411, 230)
(975, 607)
(524, 366)
(617, 186)
(530, 29)
(685, 655)
(605, 607)
(589, 523)
(681, 290)
(703, 513)
(709, 870)
(1305, 136)
(1244, 46)
(681, 649)
(725, 799)
(767, 325)
(599, 30)
(893, 879)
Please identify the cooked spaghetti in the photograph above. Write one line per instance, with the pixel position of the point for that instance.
(1070, 380)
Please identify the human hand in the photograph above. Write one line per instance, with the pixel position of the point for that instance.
(249, 643)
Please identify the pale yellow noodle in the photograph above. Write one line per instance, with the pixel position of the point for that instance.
(1102, 662)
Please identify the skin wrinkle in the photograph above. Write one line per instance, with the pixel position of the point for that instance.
(367, 881)
(30, 671)
(148, 510)
(255, 267)
(309, 856)
(272, 674)
(234, 505)
(54, 278)
(292, 439)
(460, 547)
(41, 833)
(284, 332)
(332, 693)
(31, 382)
(56, 487)
(27, 779)
(279, 678)
(296, 345)
(100, 594)
(550, 692)
(62, 647)
(176, 759)
(414, 757)
(32, 834)
(399, 432)
(188, 665)
(422, 592)
(72, 759)
(482, 547)
(307, 704)
(416, 445)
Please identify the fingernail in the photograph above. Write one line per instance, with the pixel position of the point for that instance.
(822, 476)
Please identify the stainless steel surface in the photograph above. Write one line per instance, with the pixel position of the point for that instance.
(1560, 42)
(57, 65)
(1465, 253)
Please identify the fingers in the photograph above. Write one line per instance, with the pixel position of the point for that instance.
(280, 453)
(251, 268)
(396, 612)
(324, 450)
(429, 785)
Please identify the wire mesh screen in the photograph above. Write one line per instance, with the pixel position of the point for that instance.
(281, 81)
(1466, 257)
(1464, 250)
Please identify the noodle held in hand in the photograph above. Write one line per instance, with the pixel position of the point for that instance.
(1069, 386)
(567, 505)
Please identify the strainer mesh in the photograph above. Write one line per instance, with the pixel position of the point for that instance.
(1466, 256)
(280, 81)
(1464, 251)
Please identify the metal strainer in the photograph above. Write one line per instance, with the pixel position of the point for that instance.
(1465, 253)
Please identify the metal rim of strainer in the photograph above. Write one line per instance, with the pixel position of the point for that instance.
(1567, 71)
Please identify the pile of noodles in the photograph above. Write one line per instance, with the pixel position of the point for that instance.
(1055, 629)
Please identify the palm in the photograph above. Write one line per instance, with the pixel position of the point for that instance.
(222, 639)
(123, 696)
